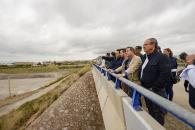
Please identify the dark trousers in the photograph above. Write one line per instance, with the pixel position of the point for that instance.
(192, 96)
(169, 91)
(154, 110)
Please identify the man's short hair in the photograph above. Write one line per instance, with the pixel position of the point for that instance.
(131, 49)
(113, 54)
(154, 41)
(183, 55)
(138, 47)
(118, 49)
(123, 49)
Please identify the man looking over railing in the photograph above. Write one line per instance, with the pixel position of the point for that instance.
(134, 65)
(125, 64)
(155, 73)
(130, 68)
(117, 61)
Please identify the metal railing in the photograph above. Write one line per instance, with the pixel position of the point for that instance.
(176, 110)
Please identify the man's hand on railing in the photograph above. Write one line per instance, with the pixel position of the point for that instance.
(120, 75)
(125, 75)
(110, 70)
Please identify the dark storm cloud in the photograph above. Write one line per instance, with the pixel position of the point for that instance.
(72, 29)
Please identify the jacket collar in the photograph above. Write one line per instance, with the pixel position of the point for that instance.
(152, 54)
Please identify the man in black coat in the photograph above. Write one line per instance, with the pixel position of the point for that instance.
(155, 73)
(117, 61)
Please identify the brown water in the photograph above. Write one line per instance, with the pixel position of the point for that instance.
(19, 86)
(22, 83)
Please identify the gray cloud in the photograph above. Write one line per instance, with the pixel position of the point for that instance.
(69, 30)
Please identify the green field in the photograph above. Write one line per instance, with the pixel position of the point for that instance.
(15, 69)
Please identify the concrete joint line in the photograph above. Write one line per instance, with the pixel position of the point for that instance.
(105, 103)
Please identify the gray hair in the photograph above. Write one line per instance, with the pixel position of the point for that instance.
(154, 42)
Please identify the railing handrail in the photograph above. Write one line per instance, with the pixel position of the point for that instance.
(178, 111)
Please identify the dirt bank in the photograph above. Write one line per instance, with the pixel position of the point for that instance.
(76, 109)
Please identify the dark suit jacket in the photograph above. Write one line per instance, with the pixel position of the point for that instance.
(157, 72)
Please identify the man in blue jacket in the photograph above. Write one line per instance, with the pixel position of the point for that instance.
(155, 73)
(117, 61)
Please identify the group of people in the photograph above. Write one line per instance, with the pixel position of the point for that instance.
(155, 70)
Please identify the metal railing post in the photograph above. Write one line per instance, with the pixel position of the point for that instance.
(105, 73)
(117, 83)
(108, 76)
(102, 70)
(136, 100)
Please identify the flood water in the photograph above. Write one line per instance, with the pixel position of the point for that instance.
(22, 85)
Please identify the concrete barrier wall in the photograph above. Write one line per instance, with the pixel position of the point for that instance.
(117, 112)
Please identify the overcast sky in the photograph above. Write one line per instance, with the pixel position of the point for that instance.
(37, 30)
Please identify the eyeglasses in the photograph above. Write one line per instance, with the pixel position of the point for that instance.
(147, 44)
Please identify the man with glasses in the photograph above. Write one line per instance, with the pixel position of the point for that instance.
(155, 72)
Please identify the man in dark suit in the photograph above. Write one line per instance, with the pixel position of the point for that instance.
(117, 61)
(155, 73)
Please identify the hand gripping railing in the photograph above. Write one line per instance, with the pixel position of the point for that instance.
(178, 111)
